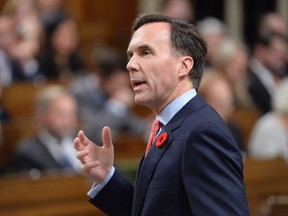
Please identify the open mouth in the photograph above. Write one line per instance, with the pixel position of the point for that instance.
(137, 83)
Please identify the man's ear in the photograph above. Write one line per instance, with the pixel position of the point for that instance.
(186, 65)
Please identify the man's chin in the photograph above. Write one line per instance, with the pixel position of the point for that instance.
(140, 100)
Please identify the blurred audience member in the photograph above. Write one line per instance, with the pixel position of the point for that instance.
(266, 69)
(269, 137)
(213, 31)
(13, 54)
(51, 12)
(181, 9)
(51, 148)
(218, 93)
(273, 22)
(60, 59)
(105, 97)
(28, 28)
(232, 61)
(27, 20)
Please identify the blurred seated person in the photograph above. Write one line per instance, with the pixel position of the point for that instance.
(17, 57)
(213, 31)
(181, 9)
(51, 147)
(218, 93)
(273, 22)
(232, 62)
(266, 69)
(50, 12)
(269, 136)
(105, 97)
(27, 20)
(59, 57)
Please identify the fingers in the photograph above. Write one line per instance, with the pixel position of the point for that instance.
(106, 137)
(88, 166)
(81, 156)
(81, 141)
(77, 143)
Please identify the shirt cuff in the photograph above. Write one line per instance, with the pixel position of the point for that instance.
(95, 189)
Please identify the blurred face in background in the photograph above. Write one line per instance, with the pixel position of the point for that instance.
(60, 117)
(236, 68)
(213, 39)
(276, 54)
(218, 93)
(274, 22)
(49, 5)
(220, 98)
(181, 9)
(8, 35)
(65, 39)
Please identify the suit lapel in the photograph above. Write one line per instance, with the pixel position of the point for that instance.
(146, 170)
(148, 165)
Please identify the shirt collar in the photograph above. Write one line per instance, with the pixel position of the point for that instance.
(167, 114)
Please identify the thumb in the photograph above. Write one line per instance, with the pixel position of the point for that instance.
(107, 137)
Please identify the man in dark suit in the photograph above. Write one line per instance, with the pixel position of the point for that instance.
(266, 69)
(194, 166)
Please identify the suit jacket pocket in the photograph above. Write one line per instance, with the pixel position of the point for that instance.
(161, 182)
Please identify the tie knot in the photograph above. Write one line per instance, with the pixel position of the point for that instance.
(156, 126)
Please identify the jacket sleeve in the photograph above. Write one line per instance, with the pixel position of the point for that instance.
(116, 197)
(212, 173)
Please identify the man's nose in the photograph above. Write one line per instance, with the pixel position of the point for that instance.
(132, 64)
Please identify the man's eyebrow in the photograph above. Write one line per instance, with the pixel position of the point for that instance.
(144, 46)
(140, 47)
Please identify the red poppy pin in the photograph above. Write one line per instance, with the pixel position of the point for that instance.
(161, 140)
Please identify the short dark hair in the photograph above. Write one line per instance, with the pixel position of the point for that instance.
(185, 39)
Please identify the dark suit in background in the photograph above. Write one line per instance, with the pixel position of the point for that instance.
(32, 153)
(259, 93)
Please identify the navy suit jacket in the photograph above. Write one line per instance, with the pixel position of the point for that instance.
(198, 171)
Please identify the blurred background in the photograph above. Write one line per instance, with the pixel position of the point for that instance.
(109, 21)
(63, 68)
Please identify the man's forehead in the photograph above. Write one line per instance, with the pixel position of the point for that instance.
(154, 27)
(150, 32)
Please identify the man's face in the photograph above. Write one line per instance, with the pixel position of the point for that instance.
(276, 54)
(60, 118)
(152, 67)
(8, 36)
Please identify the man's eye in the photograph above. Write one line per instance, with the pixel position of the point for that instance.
(146, 52)
(129, 55)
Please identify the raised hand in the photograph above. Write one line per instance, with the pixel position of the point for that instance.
(96, 161)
